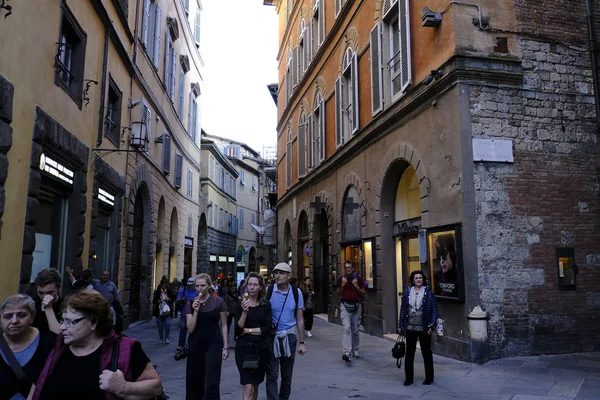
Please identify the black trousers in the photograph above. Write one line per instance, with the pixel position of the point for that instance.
(411, 347)
(309, 317)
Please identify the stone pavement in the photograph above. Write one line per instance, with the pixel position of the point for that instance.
(322, 375)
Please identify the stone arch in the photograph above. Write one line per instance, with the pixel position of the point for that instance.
(305, 107)
(351, 179)
(303, 239)
(319, 88)
(140, 191)
(351, 40)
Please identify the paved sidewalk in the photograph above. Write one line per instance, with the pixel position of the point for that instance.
(322, 375)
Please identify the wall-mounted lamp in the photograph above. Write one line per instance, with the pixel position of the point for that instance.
(430, 18)
(435, 74)
(138, 136)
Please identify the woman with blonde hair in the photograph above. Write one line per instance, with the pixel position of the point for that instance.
(206, 318)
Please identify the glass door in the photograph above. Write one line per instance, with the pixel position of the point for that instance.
(407, 261)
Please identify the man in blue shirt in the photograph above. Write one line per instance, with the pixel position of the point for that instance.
(287, 318)
(185, 293)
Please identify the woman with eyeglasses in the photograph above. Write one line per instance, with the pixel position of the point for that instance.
(418, 319)
(26, 344)
(80, 364)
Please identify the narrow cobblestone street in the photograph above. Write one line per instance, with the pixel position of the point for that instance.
(322, 375)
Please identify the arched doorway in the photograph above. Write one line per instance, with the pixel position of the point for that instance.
(252, 260)
(173, 235)
(139, 258)
(351, 243)
(303, 252)
(321, 262)
(287, 244)
(401, 200)
(159, 262)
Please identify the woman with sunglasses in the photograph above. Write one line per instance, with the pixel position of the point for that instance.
(80, 364)
(418, 319)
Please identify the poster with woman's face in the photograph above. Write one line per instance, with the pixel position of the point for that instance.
(442, 253)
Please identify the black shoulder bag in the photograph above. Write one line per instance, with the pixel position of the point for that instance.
(399, 350)
(12, 361)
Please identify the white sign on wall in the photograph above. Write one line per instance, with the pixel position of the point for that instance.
(56, 169)
(493, 150)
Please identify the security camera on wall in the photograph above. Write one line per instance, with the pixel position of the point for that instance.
(133, 103)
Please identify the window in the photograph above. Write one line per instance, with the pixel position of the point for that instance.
(70, 58)
(241, 218)
(318, 126)
(289, 84)
(220, 218)
(302, 50)
(197, 27)
(253, 218)
(193, 118)
(181, 93)
(226, 183)
(212, 168)
(226, 222)
(567, 269)
(346, 99)
(254, 183)
(288, 156)
(147, 120)
(317, 26)
(178, 170)
(170, 68)
(151, 28)
(113, 113)
(232, 186)
(166, 157)
(302, 146)
(222, 179)
(242, 177)
(390, 63)
(190, 183)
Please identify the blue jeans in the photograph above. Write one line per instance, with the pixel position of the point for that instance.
(287, 369)
(164, 327)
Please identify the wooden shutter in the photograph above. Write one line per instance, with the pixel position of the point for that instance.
(166, 156)
(178, 170)
(295, 66)
(190, 108)
(157, 29)
(321, 21)
(173, 72)
(310, 41)
(322, 131)
(167, 71)
(288, 155)
(338, 112)
(197, 27)
(146, 23)
(388, 5)
(404, 21)
(194, 120)
(311, 143)
(354, 94)
(302, 149)
(376, 71)
(181, 93)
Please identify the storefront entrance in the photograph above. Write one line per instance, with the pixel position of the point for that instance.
(321, 271)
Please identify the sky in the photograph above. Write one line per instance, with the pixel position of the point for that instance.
(239, 44)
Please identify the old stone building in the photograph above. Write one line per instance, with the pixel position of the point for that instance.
(104, 169)
(452, 138)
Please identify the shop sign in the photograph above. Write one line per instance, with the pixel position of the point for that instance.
(230, 259)
(241, 264)
(188, 242)
(493, 150)
(212, 258)
(56, 169)
(407, 227)
(106, 197)
(222, 258)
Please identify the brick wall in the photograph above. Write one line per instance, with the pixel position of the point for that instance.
(547, 199)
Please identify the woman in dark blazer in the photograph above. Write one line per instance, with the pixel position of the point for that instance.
(418, 319)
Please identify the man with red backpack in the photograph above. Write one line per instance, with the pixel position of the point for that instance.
(351, 289)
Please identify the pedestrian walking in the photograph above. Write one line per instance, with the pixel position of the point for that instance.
(23, 348)
(104, 286)
(351, 289)
(309, 305)
(80, 364)
(47, 302)
(162, 304)
(418, 319)
(253, 323)
(228, 293)
(186, 293)
(208, 343)
(287, 318)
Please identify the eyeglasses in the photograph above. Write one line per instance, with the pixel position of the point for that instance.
(67, 323)
(442, 253)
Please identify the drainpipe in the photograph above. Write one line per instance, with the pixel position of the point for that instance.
(103, 86)
(591, 46)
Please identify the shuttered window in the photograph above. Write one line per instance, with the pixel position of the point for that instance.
(354, 99)
(212, 168)
(173, 74)
(168, 68)
(147, 119)
(288, 156)
(146, 23)
(181, 93)
(302, 146)
(338, 113)
(310, 144)
(166, 156)
(321, 131)
(197, 27)
(178, 170)
(405, 44)
(157, 29)
(376, 71)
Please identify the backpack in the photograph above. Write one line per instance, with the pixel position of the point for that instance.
(294, 292)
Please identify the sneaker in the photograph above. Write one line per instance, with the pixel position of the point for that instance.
(167, 341)
(308, 334)
(346, 357)
(356, 354)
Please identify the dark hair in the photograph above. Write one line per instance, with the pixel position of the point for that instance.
(444, 244)
(48, 276)
(261, 282)
(412, 277)
(222, 283)
(95, 308)
(87, 276)
(303, 285)
(348, 262)
(294, 281)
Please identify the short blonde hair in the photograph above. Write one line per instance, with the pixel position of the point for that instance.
(204, 276)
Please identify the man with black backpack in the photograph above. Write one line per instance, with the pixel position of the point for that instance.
(351, 289)
(287, 318)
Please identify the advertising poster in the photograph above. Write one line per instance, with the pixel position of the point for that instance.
(446, 259)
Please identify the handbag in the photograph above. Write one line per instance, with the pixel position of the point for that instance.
(250, 361)
(164, 309)
(399, 350)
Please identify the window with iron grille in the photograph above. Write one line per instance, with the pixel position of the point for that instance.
(69, 61)
(113, 113)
